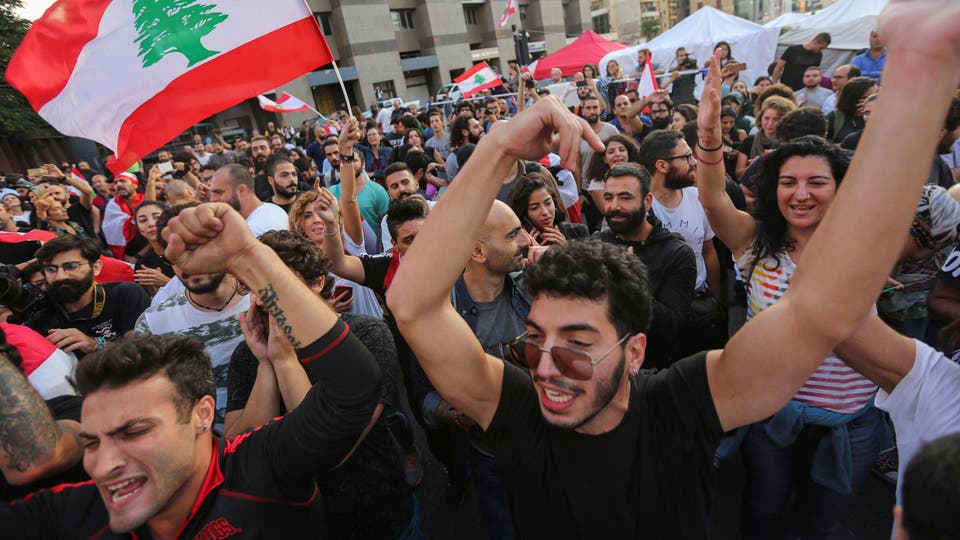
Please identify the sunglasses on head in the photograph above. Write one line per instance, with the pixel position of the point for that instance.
(571, 363)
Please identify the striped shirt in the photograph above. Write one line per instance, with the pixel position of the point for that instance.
(834, 386)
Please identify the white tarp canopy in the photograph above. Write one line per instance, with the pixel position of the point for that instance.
(848, 22)
(699, 33)
(787, 20)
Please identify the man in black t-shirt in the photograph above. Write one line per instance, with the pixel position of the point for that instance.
(157, 470)
(797, 58)
(83, 315)
(589, 445)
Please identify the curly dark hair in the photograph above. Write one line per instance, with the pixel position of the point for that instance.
(302, 256)
(403, 211)
(595, 270)
(182, 359)
(771, 225)
(805, 121)
(519, 196)
(89, 249)
(597, 168)
(851, 93)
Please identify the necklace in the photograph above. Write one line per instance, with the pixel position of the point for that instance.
(236, 289)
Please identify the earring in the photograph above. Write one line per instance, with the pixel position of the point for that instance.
(203, 429)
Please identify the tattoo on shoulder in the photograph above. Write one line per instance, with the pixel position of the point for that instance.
(270, 299)
(27, 431)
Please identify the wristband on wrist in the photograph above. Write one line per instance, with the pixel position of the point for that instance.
(700, 146)
(348, 159)
(332, 233)
(700, 159)
(101, 343)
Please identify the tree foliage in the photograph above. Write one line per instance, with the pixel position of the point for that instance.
(17, 119)
(650, 28)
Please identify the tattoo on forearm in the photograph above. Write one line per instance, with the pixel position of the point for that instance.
(270, 299)
(28, 433)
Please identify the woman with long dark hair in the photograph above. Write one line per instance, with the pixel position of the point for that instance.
(541, 211)
(151, 271)
(847, 118)
(797, 184)
(619, 149)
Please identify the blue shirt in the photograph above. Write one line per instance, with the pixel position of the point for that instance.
(870, 67)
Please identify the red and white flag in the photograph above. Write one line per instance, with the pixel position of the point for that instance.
(648, 82)
(284, 104)
(134, 74)
(480, 77)
(510, 10)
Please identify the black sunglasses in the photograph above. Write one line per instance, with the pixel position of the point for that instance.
(570, 362)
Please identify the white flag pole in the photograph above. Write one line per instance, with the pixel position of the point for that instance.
(343, 87)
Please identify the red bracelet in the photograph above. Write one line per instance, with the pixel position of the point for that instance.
(700, 159)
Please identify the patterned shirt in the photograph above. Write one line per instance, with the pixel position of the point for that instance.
(834, 386)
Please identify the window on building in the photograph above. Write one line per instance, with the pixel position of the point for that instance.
(389, 91)
(470, 14)
(323, 19)
(601, 23)
(402, 19)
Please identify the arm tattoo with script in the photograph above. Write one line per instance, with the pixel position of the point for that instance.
(28, 434)
(270, 300)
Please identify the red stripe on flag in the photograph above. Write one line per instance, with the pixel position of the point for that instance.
(487, 86)
(251, 69)
(57, 37)
(471, 72)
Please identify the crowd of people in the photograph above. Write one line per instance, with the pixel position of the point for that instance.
(588, 309)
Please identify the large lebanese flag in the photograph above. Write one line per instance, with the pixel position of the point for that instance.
(133, 74)
(480, 77)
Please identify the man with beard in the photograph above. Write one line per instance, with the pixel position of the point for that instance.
(105, 190)
(119, 228)
(590, 111)
(84, 315)
(627, 119)
(464, 130)
(282, 175)
(331, 162)
(208, 307)
(234, 185)
(494, 306)
(676, 203)
(661, 113)
(671, 265)
(400, 185)
(259, 152)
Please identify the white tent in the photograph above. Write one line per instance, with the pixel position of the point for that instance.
(848, 22)
(788, 20)
(699, 33)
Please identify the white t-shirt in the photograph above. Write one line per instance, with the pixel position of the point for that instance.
(689, 220)
(383, 118)
(268, 217)
(218, 330)
(925, 405)
(172, 287)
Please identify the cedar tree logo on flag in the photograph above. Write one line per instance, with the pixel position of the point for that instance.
(480, 77)
(134, 74)
(166, 26)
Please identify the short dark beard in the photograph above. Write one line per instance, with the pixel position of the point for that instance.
(631, 225)
(675, 181)
(206, 288)
(69, 291)
(473, 139)
(661, 123)
(286, 192)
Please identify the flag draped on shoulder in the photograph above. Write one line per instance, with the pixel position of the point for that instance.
(286, 103)
(648, 81)
(510, 10)
(134, 74)
(480, 77)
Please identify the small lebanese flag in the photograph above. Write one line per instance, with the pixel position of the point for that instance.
(45, 366)
(157, 66)
(284, 104)
(648, 82)
(510, 10)
(480, 77)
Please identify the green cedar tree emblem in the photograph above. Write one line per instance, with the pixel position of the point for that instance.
(478, 79)
(168, 26)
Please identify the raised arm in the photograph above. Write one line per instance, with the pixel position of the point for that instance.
(848, 258)
(33, 445)
(86, 192)
(734, 227)
(344, 265)
(352, 222)
(778, 70)
(337, 409)
(445, 346)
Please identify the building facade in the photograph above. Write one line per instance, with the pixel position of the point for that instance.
(410, 48)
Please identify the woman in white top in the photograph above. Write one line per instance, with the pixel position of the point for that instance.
(833, 410)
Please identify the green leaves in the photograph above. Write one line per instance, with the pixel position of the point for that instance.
(174, 26)
(17, 119)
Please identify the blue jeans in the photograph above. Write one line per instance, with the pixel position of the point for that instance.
(491, 497)
(775, 473)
